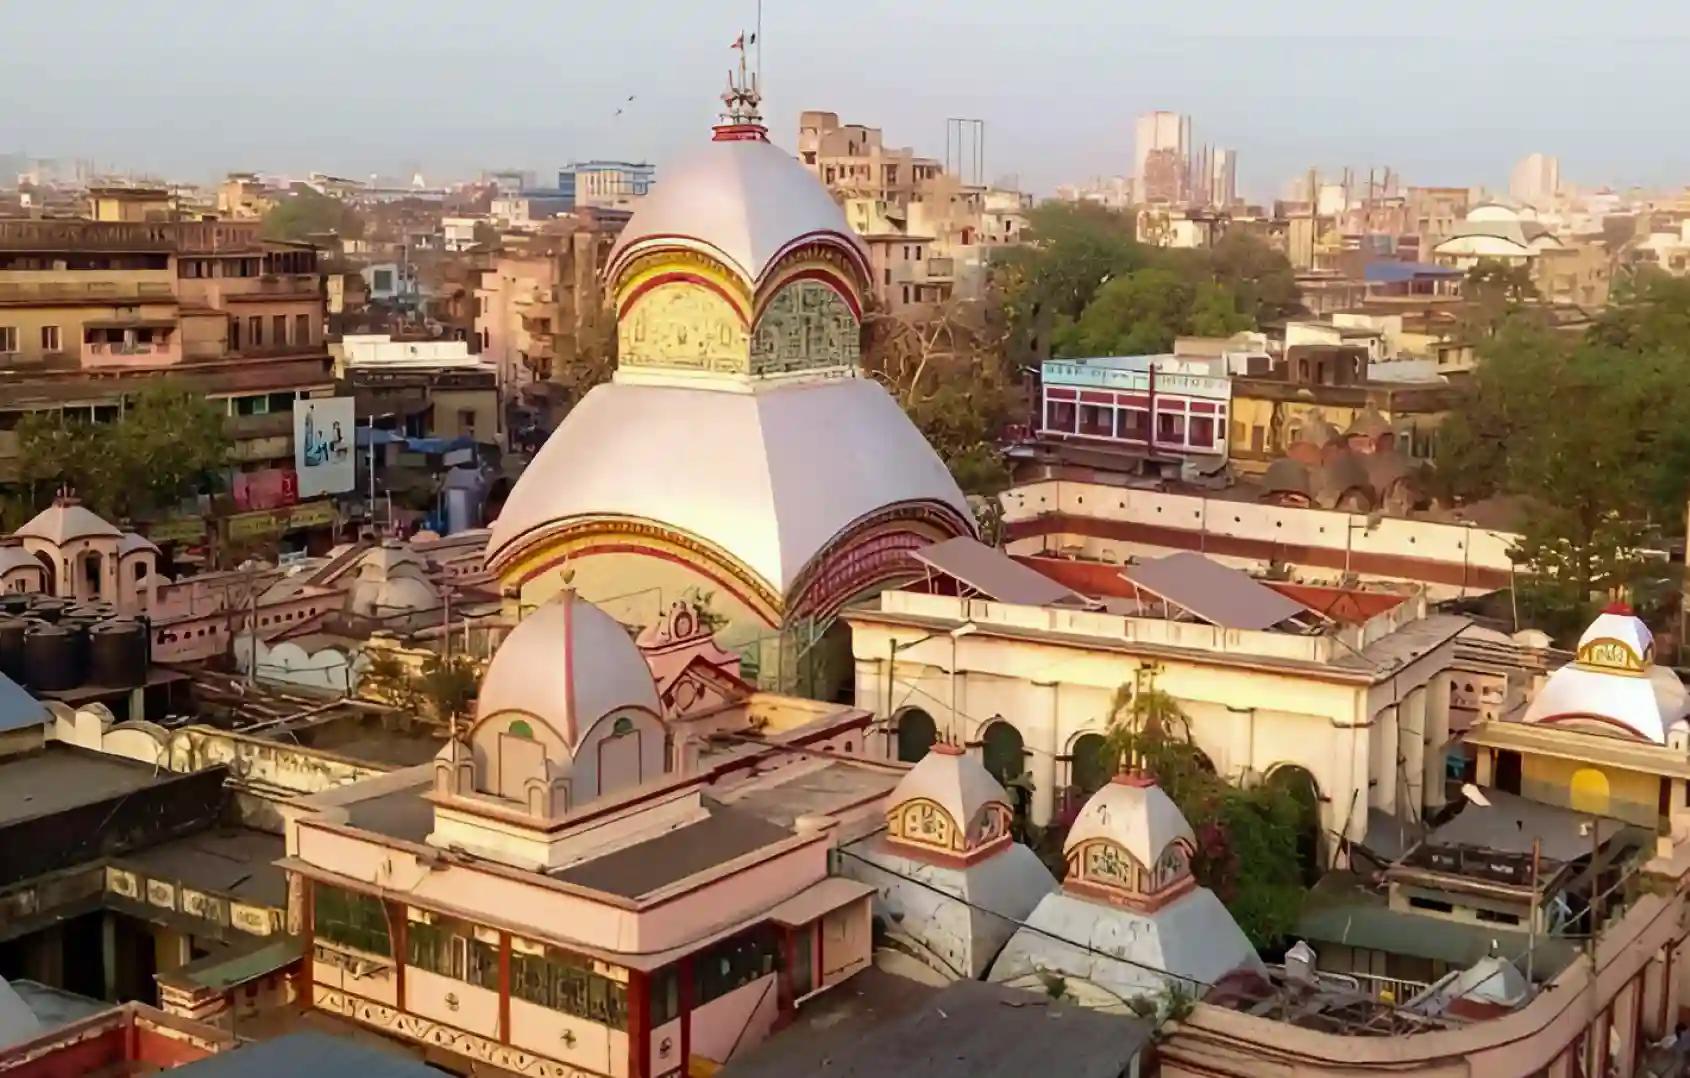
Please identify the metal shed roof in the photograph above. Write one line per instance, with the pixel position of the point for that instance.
(1212, 592)
(995, 574)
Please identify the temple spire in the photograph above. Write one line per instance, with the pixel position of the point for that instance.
(741, 119)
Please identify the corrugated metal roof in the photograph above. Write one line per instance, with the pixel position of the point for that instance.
(995, 574)
(18, 709)
(1213, 592)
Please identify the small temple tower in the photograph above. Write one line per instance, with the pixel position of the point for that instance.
(737, 450)
(1130, 898)
(952, 882)
(1613, 686)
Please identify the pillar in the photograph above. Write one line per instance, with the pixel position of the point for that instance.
(1041, 730)
(1485, 773)
(1382, 773)
(1411, 752)
(1437, 740)
(108, 955)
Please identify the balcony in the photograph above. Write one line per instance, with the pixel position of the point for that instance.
(24, 293)
(270, 286)
(131, 353)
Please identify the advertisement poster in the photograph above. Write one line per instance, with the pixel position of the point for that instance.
(322, 446)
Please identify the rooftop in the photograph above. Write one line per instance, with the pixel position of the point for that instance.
(57, 778)
(308, 1052)
(878, 1024)
(233, 861)
(724, 834)
(821, 787)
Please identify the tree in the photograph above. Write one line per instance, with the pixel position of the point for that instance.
(1593, 433)
(1246, 837)
(169, 443)
(1495, 291)
(305, 212)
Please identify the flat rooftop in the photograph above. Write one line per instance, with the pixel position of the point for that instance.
(878, 1023)
(819, 788)
(236, 861)
(723, 834)
(402, 814)
(58, 777)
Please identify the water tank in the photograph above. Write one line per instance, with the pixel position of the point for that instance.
(14, 605)
(46, 607)
(117, 653)
(97, 610)
(50, 658)
(11, 647)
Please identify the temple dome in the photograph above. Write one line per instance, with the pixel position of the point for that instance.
(769, 478)
(1135, 814)
(743, 202)
(64, 521)
(568, 664)
(1613, 683)
(958, 785)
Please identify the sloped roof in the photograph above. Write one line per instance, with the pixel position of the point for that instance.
(63, 521)
(1137, 814)
(995, 574)
(951, 779)
(1212, 592)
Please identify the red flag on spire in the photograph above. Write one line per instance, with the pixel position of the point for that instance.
(739, 42)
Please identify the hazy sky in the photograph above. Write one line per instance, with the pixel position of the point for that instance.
(1445, 91)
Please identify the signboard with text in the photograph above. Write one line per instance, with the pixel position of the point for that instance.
(322, 446)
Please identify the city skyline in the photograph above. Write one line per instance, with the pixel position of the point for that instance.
(458, 91)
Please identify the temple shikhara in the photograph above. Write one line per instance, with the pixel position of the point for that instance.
(738, 450)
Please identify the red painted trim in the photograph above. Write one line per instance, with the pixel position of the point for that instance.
(813, 273)
(731, 586)
(1096, 397)
(739, 133)
(950, 860)
(681, 277)
(683, 988)
(846, 241)
(639, 1024)
(396, 935)
(1058, 393)
(1203, 407)
(574, 732)
(1138, 402)
(1146, 903)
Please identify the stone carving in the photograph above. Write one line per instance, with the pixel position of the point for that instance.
(806, 326)
(685, 327)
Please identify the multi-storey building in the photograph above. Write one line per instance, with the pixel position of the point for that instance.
(90, 310)
(854, 161)
(605, 184)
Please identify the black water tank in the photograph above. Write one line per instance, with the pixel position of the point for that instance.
(117, 653)
(14, 605)
(11, 648)
(50, 658)
(47, 608)
(92, 611)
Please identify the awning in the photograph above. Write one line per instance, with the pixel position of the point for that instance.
(818, 900)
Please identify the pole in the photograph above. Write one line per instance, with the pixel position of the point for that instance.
(1531, 914)
(955, 725)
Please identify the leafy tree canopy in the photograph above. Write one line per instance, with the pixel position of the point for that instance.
(170, 443)
(304, 212)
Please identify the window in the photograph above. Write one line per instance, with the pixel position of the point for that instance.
(49, 338)
(234, 334)
(1170, 427)
(255, 331)
(381, 280)
(1097, 420)
(732, 964)
(279, 329)
(1497, 917)
(1133, 424)
(567, 983)
(280, 402)
(1059, 416)
(665, 996)
(350, 919)
(301, 329)
(1430, 904)
(1202, 432)
(452, 949)
(8, 338)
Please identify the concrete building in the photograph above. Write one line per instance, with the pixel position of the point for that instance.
(243, 195)
(1164, 410)
(1536, 180)
(89, 309)
(1167, 134)
(615, 185)
(437, 387)
(852, 160)
(1354, 708)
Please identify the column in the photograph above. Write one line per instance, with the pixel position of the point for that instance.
(1485, 772)
(639, 1024)
(1040, 727)
(1411, 754)
(1382, 773)
(108, 955)
(1437, 740)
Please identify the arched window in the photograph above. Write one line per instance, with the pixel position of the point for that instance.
(622, 727)
(520, 728)
(1300, 784)
(916, 734)
(1090, 768)
(1001, 749)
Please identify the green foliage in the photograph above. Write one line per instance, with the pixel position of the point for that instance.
(1593, 433)
(1088, 286)
(304, 212)
(1247, 838)
(448, 685)
(169, 443)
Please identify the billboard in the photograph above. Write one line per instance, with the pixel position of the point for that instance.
(323, 438)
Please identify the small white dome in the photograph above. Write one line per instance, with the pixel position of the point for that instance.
(568, 664)
(1135, 813)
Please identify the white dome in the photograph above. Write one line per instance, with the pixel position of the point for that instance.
(568, 664)
(1617, 624)
(1613, 682)
(743, 202)
(66, 520)
(954, 781)
(1135, 813)
(769, 477)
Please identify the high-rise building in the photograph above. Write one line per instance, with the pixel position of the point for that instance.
(1223, 177)
(1170, 131)
(1535, 180)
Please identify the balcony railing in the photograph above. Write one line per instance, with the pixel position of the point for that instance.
(105, 353)
(117, 291)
